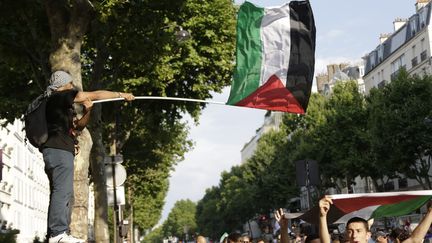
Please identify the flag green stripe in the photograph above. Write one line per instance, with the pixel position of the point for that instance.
(399, 209)
(248, 53)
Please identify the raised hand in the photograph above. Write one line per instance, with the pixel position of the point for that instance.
(324, 205)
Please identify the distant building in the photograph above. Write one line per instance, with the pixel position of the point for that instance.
(408, 47)
(272, 121)
(339, 72)
(24, 187)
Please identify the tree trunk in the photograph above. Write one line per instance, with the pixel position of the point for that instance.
(79, 224)
(101, 229)
(98, 175)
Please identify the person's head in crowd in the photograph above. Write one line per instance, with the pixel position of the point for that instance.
(312, 238)
(357, 230)
(267, 229)
(245, 238)
(234, 237)
(260, 240)
(335, 236)
(381, 237)
(201, 239)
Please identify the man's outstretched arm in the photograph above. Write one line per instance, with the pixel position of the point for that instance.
(101, 95)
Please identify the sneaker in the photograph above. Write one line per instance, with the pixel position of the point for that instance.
(64, 238)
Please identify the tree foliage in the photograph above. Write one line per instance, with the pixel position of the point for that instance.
(400, 137)
(181, 220)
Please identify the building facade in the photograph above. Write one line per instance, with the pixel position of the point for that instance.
(24, 186)
(272, 121)
(409, 47)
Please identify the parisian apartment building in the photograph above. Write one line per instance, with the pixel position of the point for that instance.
(24, 187)
(408, 47)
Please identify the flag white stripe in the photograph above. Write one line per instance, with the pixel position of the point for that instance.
(276, 43)
(364, 213)
(383, 194)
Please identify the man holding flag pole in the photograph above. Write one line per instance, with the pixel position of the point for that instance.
(357, 229)
(60, 148)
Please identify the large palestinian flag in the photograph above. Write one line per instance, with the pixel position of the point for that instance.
(274, 57)
(369, 206)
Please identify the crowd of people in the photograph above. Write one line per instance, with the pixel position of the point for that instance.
(357, 230)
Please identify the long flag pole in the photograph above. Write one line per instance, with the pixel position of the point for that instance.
(162, 98)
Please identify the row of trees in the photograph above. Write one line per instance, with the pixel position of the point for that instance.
(381, 136)
(122, 45)
(181, 223)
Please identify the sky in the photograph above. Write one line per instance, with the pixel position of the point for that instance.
(346, 31)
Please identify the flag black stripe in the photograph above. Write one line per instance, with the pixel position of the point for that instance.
(302, 55)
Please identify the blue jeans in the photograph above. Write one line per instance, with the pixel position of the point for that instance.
(59, 166)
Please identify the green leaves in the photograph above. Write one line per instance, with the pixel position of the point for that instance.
(400, 138)
(181, 220)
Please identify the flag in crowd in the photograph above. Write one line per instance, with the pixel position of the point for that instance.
(370, 206)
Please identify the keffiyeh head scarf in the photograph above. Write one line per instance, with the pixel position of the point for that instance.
(58, 79)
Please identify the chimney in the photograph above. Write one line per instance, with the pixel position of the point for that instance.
(384, 37)
(421, 3)
(399, 22)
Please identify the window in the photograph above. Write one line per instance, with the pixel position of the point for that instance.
(423, 55)
(361, 71)
(382, 84)
(380, 53)
(372, 59)
(423, 17)
(396, 65)
(422, 44)
(413, 22)
(414, 62)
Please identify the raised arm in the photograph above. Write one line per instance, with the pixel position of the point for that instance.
(324, 206)
(421, 230)
(101, 95)
(283, 223)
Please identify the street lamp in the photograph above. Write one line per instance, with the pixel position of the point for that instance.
(182, 35)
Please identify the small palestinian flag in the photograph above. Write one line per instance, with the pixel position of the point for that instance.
(275, 57)
(370, 206)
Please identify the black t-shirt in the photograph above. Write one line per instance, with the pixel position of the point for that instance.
(59, 115)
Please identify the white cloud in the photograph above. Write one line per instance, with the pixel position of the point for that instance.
(331, 35)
